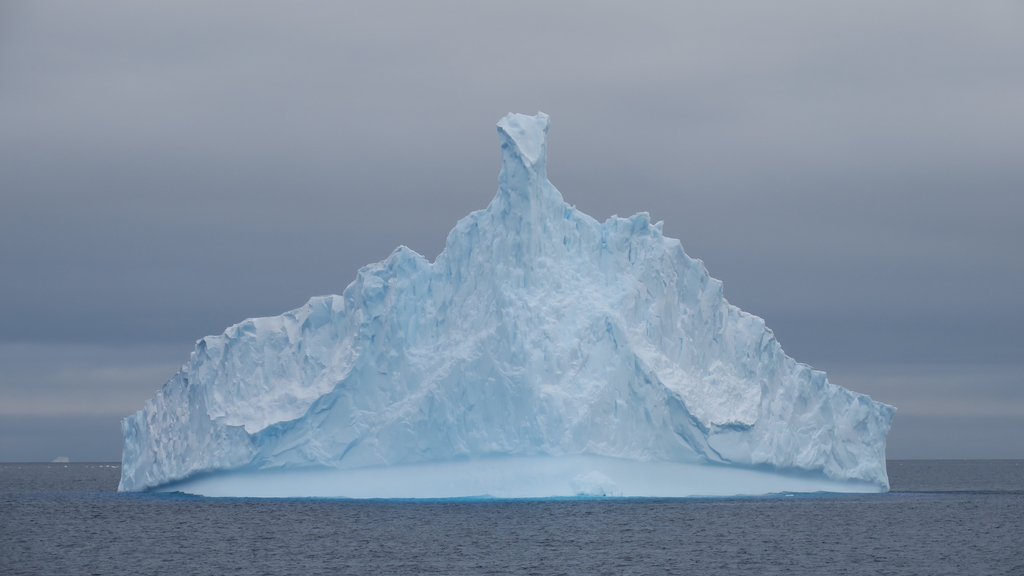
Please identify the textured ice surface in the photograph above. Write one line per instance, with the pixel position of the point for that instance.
(543, 353)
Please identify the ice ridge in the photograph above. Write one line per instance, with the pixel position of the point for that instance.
(538, 332)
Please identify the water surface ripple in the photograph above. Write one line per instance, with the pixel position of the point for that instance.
(942, 517)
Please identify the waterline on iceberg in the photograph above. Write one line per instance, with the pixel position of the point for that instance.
(515, 477)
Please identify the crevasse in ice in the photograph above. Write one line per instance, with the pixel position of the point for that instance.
(543, 353)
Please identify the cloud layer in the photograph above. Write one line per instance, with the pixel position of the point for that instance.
(852, 173)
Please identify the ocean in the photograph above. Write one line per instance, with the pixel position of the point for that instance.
(940, 517)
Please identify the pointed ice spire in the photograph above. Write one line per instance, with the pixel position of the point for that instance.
(523, 185)
(528, 207)
(524, 138)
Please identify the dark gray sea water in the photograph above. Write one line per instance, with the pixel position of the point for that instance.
(942, 517)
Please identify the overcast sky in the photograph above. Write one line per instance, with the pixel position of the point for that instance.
(853, 172)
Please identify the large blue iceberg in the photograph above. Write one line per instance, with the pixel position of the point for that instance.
(542, 354)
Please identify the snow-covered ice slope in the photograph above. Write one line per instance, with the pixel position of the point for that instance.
(542, 353)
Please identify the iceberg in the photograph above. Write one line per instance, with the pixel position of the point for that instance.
(542, 354)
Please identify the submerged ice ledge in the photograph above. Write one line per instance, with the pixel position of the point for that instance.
(539, 336)
(515, 477)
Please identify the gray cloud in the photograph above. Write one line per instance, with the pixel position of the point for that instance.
(66, 379)
(852, 173)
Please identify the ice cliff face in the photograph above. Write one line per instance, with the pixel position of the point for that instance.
(538, 331)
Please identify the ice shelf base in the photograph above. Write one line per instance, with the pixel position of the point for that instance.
(515, 477)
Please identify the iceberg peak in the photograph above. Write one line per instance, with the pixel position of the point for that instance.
(525, 136)
(525, 197)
